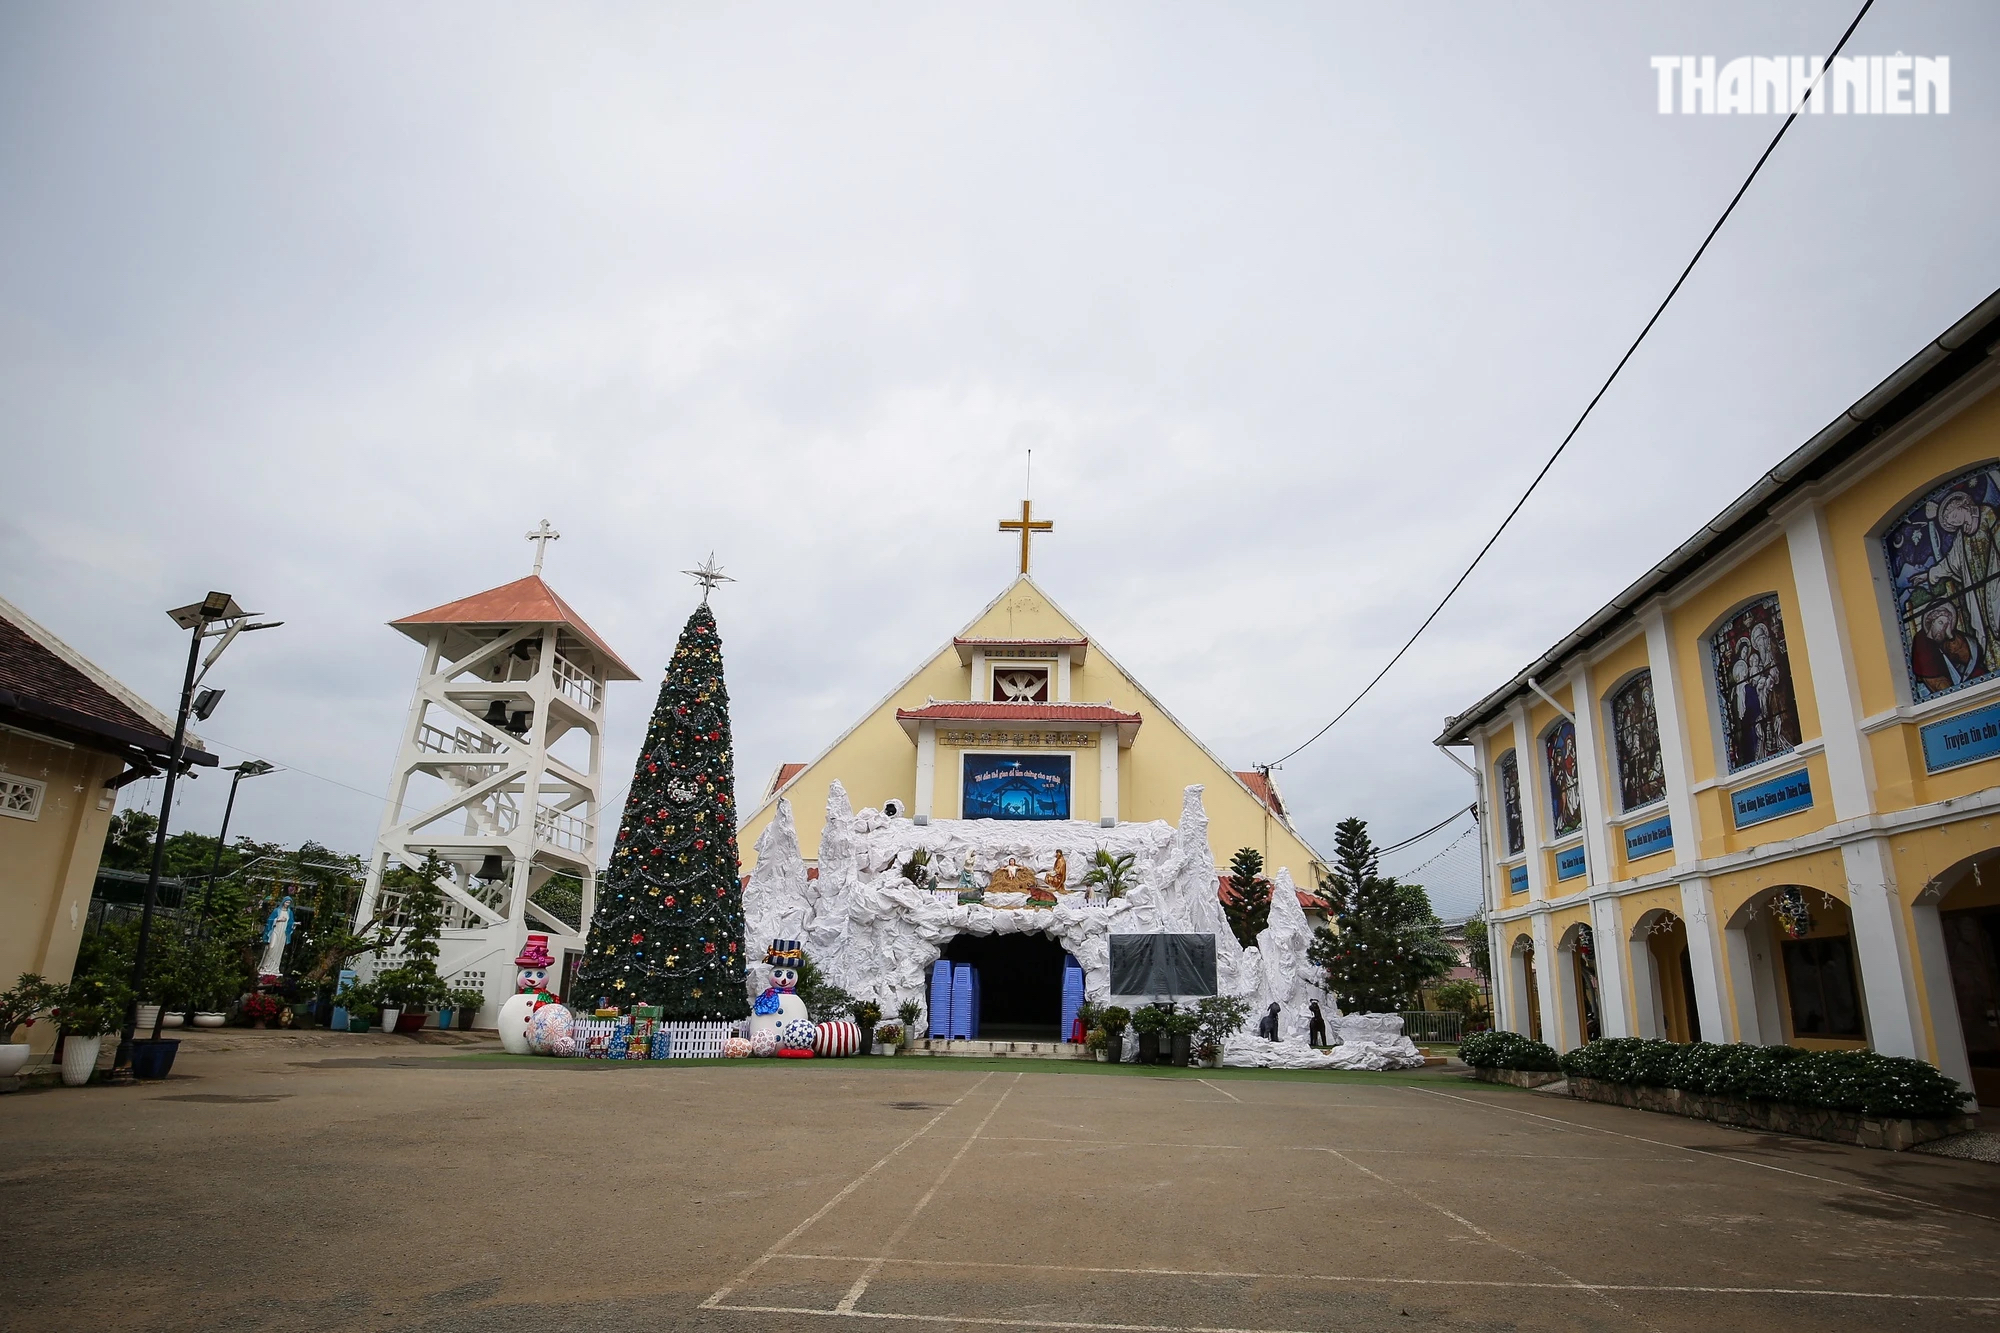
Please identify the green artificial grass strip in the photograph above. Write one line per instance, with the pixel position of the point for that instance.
(950, 1064)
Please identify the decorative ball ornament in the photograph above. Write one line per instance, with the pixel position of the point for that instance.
(548, 1026)
(516, 1014)
(735, 1048)
(764, 1044)
(841, 1037)
(795, 1034)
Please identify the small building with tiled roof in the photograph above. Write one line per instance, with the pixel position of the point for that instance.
(70, 736)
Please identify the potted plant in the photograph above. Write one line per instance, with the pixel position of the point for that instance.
(1097, 1044)
(888, 1036)
(1114, 1019)
(1181, 1027)
(88, 1008)
(909, 1011)
(1217, 1018)
(1148, 1022)
(1110, 873)
(867, 1014)
(19, 1008)
(262, 1008)
(465, 1005)
(358, 999)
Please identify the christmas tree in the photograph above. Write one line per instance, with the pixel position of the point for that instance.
(668, 929)
(1385, 942)
(1249, 905)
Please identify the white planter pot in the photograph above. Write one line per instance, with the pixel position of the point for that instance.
(882, 1048)
(174, 1020)
(389, 1017)
(13, 1055)
(209, 1019)
(80, 1059)
(149, 1014)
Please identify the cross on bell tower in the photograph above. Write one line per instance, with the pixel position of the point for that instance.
(541, 537)
(1027, 527)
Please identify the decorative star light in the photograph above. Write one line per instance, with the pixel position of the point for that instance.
(708, 574)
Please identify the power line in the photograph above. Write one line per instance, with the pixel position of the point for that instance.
(1443, 852)
(1399, 846)
(1602, 389)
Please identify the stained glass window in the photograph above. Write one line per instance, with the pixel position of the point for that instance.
(1635, 733)
(1565, 797)
(1943, 559)
(1753, 684)
(1510, 803)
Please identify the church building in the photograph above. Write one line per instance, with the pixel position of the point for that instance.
(1022, 717)
(1010, 758)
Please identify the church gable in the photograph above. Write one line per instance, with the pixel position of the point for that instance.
(1022, 716)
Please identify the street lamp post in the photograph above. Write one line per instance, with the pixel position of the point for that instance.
(218, 610)
(249, 768)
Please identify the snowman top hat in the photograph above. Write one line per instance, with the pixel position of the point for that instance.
(784, 953)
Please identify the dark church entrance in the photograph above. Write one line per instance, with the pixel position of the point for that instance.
(1020, 984)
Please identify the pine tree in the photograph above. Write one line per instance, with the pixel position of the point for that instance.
(1385, 942)
(668, 929)
(1249, 906)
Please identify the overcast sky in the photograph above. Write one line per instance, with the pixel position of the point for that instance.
(326, 306)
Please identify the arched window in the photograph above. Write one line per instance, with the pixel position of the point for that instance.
(1510, 802)
(1635, 731)
(1565, 797)
(1943, 561)
(1753, 684)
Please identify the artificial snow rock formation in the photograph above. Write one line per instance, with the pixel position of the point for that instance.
(875, 932)
(775, 901)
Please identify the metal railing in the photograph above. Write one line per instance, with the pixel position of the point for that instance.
(436, 740)
(562, 830)
(1442, 1026)
(577, 685)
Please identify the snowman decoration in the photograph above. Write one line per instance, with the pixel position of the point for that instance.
(531, 980)
(778, 1019)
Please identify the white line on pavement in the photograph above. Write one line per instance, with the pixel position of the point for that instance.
(827, 1207)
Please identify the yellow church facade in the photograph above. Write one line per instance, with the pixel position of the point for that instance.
(1757, 796)
(1022, 715)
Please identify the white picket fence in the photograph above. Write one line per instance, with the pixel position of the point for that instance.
(697, 1041)
(685, 1040)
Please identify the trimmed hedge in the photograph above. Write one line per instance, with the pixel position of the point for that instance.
(1505, 1050)
(1859, 1081)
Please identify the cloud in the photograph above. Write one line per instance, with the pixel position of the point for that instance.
(1289, 303)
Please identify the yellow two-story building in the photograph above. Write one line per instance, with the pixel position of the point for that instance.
(1757, 797)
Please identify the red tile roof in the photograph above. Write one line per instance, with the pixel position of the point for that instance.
(786, 772)
(46, 686)
(1264, 790)
(1310, 902)
(976, 711)
(965, 645)
(527, 601)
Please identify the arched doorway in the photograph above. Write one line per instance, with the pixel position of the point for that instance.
(1020, 984)
(1958, 916)
(1663, 978)
(1796, 974)
(1582, 1008)
(1527, 996)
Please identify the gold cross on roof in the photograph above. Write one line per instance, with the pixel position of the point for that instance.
(1027, 527)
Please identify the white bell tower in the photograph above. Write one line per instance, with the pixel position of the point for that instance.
(499, 772)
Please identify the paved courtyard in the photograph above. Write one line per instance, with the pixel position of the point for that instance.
(324, 1182)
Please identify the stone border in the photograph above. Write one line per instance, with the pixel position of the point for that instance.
(1520, 1078)
(1897, 1134)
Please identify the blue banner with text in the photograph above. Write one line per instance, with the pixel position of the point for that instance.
(1768, 800)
